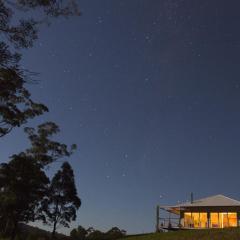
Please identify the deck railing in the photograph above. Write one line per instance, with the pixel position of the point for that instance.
(169, 223)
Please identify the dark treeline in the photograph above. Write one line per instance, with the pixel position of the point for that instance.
(81, 233)
(27, 194)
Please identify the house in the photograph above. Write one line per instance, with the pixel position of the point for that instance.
(212, 212)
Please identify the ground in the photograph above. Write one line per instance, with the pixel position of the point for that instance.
(223, 234)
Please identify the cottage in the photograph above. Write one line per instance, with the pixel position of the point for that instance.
(212, 212)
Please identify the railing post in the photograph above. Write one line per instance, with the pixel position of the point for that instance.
(157, 218)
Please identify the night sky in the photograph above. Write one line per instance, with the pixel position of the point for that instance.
(149, 90)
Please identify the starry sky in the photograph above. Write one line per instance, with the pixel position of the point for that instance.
(149, 90)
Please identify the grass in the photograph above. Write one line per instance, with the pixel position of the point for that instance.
(214, 234)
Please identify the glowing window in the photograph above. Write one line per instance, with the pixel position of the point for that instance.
(188, 219)
(195, 219)
(203, 220)
(214, 220)
(232, 219)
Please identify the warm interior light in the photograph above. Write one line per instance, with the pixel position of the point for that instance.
(217, 220)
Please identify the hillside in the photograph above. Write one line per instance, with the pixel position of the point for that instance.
(27, 229)
(223, 234)
(34, 233)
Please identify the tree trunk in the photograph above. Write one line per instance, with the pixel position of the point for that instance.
(54, 230)
(14, 231)
(6, 227)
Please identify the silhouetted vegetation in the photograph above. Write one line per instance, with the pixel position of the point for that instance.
(16, 104)
(91, 234)
(23, 184)
(43, 148)
(62, 201)
(26, 192)
(79, 233)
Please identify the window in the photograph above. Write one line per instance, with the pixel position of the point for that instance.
(232, 219)
(195, 219)
(203, 220)
(188, 219)
(214, 220)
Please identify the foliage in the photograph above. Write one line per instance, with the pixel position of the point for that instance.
(79, 233)
(96, 235)
(91, 234)
(22, 185)
(115, 233)
(62, 201)
(23, 182)
(24, 192)
(16, 104)
(43, 149)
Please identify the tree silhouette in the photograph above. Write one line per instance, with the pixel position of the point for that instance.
(43, 149)
(16, 104)
(23, 182)
(115, 233)
(62, 202)
(96, 235)
(91, 234)
(79, 233)
(22, 185)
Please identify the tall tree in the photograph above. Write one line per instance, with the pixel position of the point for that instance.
(62, 202)
(22, 185)
(16, 104)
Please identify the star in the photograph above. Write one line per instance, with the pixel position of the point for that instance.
(100, 20)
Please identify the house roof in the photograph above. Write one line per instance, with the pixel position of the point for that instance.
(213, 201)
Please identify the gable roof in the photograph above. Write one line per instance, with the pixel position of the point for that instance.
(213, 201)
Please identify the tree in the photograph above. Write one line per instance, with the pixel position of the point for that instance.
(79, 233)
(62, 203)
(16, 104)
(96, 235)
(115, 233)
(22, 184)
(43, 149)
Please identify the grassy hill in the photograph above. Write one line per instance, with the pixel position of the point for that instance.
(34, 233)
(223, 234)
